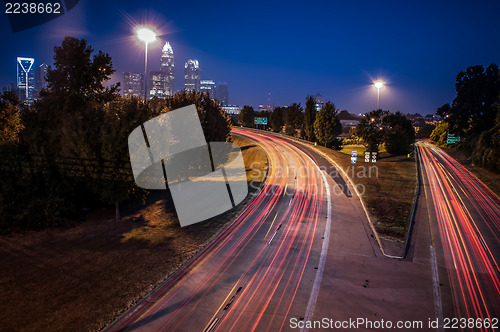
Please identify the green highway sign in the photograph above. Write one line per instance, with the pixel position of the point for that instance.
(260, 120)
(452, 138)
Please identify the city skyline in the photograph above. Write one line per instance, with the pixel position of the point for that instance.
(337, 49)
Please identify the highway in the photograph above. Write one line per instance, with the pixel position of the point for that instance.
(304, 250)
(260, 271)
(464, 220)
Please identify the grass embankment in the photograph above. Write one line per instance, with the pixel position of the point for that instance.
(80, 279)
(489, 178)
(387, 187)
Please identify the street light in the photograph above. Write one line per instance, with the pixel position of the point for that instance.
(146, 35)
(378, 85)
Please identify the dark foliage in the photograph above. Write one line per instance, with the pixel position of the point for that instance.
(399, 133)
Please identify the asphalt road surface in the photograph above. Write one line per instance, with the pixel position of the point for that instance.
(303, 251)
(464, 218)
(256, 275)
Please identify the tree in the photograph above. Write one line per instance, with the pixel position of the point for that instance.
(246, 116)
(425, 131)
(309, 118)
(371, 129)
(77, 75)
(399, 133)
(10, 119)
(473, 110)
(354, 136)
(327, 126)
(62, 120)
(67, 126)
(293, 119)
(276, 119)
(486, 151)
(439, 134)
(215, 122)
(345, 115)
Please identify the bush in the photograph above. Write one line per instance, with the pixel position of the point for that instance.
(439, 134)
(486, 152)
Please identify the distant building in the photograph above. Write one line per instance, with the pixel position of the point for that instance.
(349, 123)
(432, 119)
(168, 69)
(222, 94)
(192, 75)
(157, 84)
(231, 109)
(266, 108)
(133, 85)
(11, 87)
(318, 102)
(26, 79)
(41, 79)
(208, 86)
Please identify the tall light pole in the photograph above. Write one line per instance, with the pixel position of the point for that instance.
(146, 35)
(378, 85)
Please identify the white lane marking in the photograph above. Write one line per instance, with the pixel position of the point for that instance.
(437, 291)
(212, 325)
(322, 260)
(272, 237)
(482, 243)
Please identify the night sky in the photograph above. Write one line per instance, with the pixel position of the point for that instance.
(289, 49)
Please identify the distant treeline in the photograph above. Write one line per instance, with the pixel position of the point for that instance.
(375, 128)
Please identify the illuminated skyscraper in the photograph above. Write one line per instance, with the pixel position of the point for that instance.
(168, 69)
(41, 79)
(222, 94)
(25, 79)
(208, 86)
(133, 84)
(192, 75)
(161, 83)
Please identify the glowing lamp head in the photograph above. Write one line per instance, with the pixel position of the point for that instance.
(145, 34)
(379, 84)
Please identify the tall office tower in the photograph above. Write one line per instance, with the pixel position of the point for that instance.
(25, 79)
(133, 84)
(222, 94)
(319, 102)
(208, 86)
(192, 75)
(161, 83)
(168, 69)
(41, 79)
